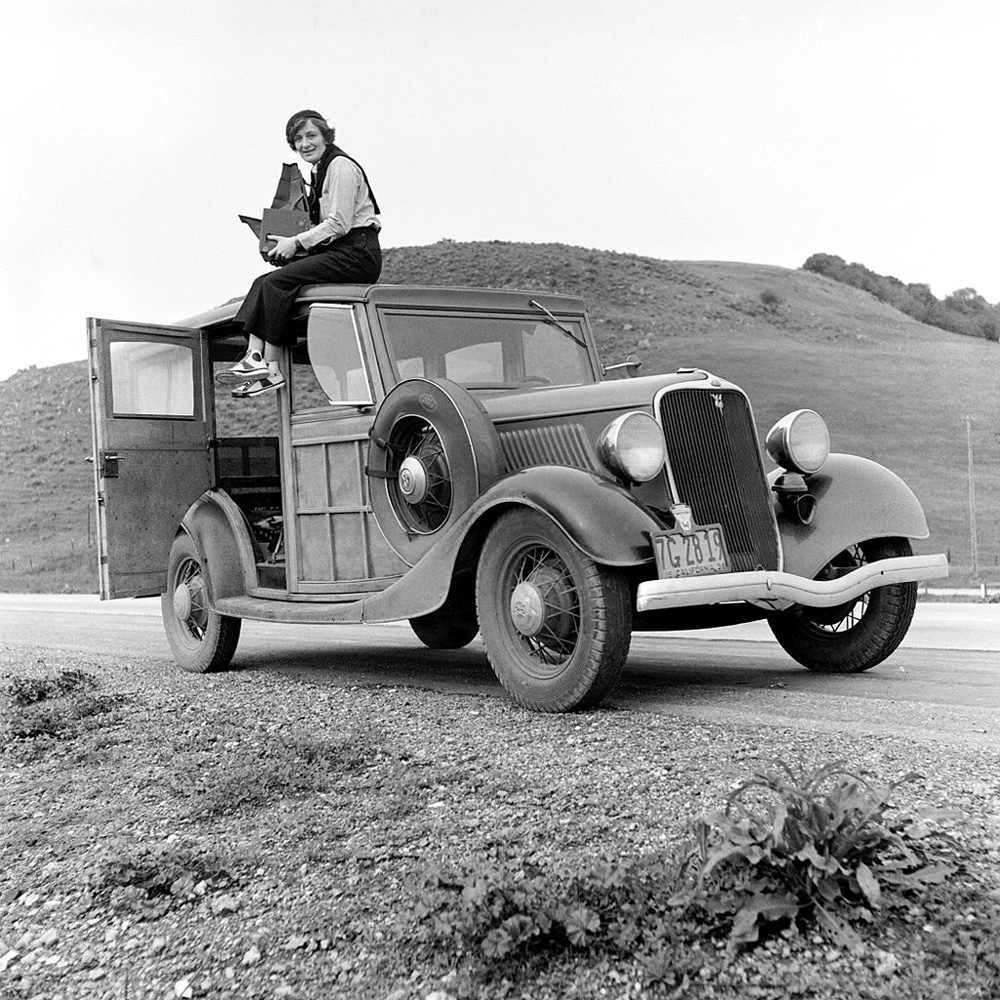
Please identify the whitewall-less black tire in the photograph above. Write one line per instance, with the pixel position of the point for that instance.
(555, 624)
(200, 639)
(860, 634)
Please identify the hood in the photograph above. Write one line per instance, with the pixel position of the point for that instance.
(598, 397)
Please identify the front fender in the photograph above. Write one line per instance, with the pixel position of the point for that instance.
(601, 518)
(220, 534)
(856, 499)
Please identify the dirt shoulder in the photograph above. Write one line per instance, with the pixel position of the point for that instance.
(257, 836)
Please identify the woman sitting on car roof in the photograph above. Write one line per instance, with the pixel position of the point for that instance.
(341, 246)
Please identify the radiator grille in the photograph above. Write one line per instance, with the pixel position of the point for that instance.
(716, 465)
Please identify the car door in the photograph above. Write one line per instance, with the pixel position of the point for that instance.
(152, 427)
(335, 547)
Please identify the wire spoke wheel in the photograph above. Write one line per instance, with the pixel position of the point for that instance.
(858, 634)
(191, 584)
(419, 476)
(432, 452)
(556, 625)
(201, 639)
(543, 578)
(843, 616)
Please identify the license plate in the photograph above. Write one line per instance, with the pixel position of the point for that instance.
(700, 551)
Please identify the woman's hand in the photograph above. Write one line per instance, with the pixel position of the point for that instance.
(284, 250)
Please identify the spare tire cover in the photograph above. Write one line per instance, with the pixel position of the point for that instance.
(432, 450)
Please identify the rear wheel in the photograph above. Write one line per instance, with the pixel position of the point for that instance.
(442, 631)
(859, 634)
(555, 624)
(201, 640)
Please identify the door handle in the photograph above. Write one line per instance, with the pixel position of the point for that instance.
(109, 464)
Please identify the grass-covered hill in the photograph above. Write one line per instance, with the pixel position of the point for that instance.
(890, 388)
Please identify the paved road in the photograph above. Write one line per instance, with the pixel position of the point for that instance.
(942, 685)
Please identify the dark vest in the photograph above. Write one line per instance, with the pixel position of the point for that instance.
(319, 175)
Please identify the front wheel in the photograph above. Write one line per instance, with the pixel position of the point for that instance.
(555, 624)
(855, 636)
(201, 640)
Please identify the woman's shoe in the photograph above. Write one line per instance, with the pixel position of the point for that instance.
(250, 368)
(271, 381)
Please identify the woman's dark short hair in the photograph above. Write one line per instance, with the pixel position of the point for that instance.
(301, 118)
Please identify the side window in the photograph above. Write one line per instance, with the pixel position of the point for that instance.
(151, 379)
(336, 372)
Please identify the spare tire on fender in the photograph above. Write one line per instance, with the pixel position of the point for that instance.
(432, 451)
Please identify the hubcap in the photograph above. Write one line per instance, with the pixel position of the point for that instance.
(419, 479)
(545, 613)
(527, 608)
(182, 602)
(413, 480)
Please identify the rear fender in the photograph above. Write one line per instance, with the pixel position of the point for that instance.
(220, 534)
(856, 499)
(600, 518)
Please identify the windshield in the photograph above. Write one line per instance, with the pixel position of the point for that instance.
(488, 352)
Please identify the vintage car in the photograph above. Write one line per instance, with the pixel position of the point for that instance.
(459, 458)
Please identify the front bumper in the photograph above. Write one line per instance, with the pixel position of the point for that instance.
(776, 590)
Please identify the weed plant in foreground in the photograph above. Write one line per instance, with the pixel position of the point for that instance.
(815, 846)
(53, 705)
(792, 854)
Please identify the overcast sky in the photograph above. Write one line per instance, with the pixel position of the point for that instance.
(761, 131)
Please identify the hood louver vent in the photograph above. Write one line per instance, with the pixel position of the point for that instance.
(561, 444)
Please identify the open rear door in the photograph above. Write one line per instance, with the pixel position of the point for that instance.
(152, 429)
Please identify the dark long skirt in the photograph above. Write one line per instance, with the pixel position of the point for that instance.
(355, 258)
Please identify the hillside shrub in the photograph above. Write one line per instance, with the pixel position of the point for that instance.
(770, 300)
(964, 311)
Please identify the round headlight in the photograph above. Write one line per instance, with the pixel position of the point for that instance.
(799, 442)
(632, 447)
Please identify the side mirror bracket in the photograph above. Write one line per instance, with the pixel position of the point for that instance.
(631, 364)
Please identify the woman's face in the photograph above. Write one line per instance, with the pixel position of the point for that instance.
(309, 143)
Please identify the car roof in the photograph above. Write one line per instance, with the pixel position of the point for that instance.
(407, 296)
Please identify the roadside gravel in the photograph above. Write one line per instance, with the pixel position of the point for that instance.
(257, 836)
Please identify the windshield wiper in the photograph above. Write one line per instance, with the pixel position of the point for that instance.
(569, 333)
